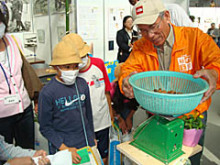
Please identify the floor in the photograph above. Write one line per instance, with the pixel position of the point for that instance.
(211, 154)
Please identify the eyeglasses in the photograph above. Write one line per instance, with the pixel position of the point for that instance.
(154, 28)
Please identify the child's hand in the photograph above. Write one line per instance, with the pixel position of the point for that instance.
(75, 157)
(96, 143)
(36, 107)
(129, 123)
(122, 125)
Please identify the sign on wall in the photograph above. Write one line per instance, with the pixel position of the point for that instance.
(90, 25)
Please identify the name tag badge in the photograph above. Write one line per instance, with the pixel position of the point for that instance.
(97, 83)
(12, 99)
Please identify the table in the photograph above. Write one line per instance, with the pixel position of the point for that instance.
(34, 60)
(141, 158)
(45, 74)
(42, 72)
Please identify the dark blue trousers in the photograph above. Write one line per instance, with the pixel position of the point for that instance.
(19, 127)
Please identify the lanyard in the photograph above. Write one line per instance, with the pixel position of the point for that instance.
(83, 122)
(6, 78)
(7, 55)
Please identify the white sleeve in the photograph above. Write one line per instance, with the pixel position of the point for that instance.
(178, 15)
(8, 151)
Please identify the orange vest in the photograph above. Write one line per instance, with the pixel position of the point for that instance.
(192, 50)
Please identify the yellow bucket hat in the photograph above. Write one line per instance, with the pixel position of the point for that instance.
(78, 42)
(65, 53)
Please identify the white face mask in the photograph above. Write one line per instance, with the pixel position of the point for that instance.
(84, 62)
(2, 30)
(69, 76)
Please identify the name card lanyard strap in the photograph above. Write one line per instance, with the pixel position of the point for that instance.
(5, 75)
(83, 122)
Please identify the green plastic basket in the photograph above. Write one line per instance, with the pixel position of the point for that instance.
(191, 90)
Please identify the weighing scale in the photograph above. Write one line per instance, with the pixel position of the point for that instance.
(160, 138)
(161, 135)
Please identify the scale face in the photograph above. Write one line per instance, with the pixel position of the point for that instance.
(160, 138)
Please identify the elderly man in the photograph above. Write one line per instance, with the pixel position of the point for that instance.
(178, 16)
(164, 46)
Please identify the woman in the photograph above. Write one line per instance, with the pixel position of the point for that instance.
(125, 38)
(16, 112)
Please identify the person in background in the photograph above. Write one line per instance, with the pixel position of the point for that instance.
(212, 3)
(123, 108)
(165, 46)
(125, 39)
(123, 111)
(219, 28)
(133, 2)
(64, 107)
(16, 112)
(18, 156)
(218, 43)
(178, 15)
(213, 32)
(94, 72)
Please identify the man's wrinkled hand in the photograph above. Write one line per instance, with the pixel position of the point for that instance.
(211, 76)
(126, 86)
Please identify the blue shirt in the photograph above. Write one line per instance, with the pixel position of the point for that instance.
(60, 117)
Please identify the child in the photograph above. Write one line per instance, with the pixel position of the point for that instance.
(64, 105)
(123, 108)
(94, 72)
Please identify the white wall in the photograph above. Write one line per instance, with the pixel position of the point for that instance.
(183, 3)
(208, 15)
(90, 18)
(105, 27)
(44, 50)
(94, 23)
(111, 27)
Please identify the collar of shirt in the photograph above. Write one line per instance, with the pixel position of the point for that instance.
(170, 39)
(129, 32)
(164, 51)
